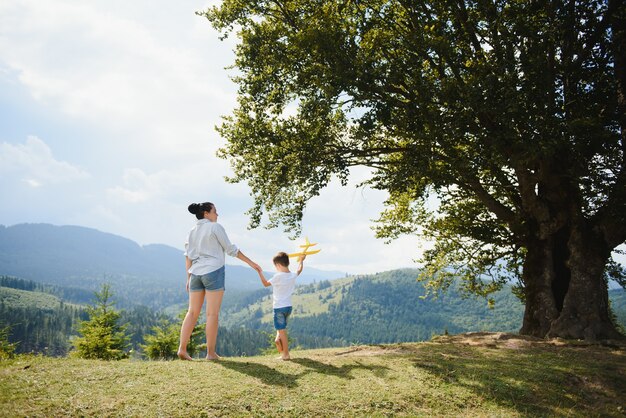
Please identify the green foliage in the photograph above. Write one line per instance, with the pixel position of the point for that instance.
(7, 349)
(615, 271)
(617, 301)
(162, 344)
(102, 336)
(139, 322)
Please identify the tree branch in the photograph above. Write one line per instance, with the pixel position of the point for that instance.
(503, 213)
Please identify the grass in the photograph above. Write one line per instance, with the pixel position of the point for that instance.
(17, 298)
(444, 378)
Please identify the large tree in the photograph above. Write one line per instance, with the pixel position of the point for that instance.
(511, 113)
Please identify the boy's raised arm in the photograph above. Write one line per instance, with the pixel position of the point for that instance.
(300, 264)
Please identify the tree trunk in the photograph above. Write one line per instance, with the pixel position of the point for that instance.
(538, 276)
(566, 294)
(585, 312)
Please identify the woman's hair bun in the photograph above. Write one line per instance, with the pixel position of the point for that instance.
(198, 209)
(193, 208)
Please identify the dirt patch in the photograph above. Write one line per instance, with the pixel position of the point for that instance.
(516, 341)
(481, 339)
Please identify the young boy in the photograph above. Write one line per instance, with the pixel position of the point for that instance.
(283, 283)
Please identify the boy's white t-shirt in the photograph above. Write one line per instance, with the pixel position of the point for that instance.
(283, 285)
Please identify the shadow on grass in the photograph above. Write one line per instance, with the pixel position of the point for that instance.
(536, 383)
(274, 377)
(342, 372)
(262, 372)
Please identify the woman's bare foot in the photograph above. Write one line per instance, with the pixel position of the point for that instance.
(184, 356)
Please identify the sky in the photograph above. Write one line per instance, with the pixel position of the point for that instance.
(107, 120)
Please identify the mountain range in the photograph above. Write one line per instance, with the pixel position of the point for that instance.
(79, 257)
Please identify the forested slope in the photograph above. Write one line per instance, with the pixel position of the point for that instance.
(387, 307)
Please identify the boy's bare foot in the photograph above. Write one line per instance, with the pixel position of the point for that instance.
(213, 357)
(184, 356)
(285, 358)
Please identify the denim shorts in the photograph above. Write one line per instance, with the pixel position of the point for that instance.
(280, 317)
(211, 282)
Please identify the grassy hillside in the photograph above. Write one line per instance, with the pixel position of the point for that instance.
(484, 375)
(16, 298)
(381, 308)
(39, 322)
(400, 286)
(384, 308)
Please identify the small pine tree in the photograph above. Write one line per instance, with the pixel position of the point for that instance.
(102, 337)
(162, 344)
(7, 349)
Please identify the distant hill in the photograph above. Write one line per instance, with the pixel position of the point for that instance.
(17, 298)
(39, 322)
(79, 257)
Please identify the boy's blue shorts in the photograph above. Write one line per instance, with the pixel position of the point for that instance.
(280, 317)
(211, 282)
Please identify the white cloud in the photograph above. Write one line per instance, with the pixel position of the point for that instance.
(32, 183)
(138, 187)
(107, 63)
(34, 163)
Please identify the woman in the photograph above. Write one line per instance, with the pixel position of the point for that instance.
(204, 259)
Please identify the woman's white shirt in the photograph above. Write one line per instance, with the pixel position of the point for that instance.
(205, 247)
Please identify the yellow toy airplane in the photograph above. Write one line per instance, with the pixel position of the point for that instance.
(306, 246)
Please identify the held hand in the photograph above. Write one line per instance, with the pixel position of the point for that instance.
(256, 267)
(301, 258)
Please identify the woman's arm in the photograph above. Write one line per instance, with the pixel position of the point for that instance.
(232, 249)
(251, 263)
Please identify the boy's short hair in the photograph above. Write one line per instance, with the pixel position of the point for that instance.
(281, 258)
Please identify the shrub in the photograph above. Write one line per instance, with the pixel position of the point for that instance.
(7, 349)
(102, 337)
